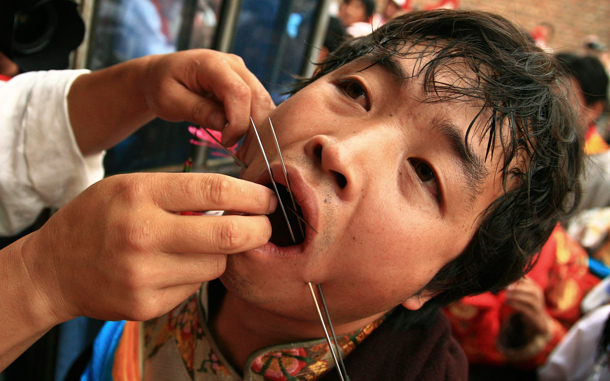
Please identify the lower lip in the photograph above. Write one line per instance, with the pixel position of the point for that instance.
(271, 250)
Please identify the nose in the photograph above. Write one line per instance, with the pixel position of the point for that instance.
(339, 161)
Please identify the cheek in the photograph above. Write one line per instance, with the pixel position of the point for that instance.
(397, 255)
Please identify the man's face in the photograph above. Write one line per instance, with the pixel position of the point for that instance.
(386, 182)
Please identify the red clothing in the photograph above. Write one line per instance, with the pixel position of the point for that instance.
(562, 272)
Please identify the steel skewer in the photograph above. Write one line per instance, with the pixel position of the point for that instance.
(334, 349)
(241, 164)
(279, 151)
(332, 330)
(260, 143)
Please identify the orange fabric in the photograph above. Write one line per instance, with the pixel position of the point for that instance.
(127, 357)
(563, 274)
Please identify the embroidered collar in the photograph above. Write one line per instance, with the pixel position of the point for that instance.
(188, 325)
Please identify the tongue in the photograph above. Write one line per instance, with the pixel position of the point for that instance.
(281, 234)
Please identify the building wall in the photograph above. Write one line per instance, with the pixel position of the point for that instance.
(573, 20)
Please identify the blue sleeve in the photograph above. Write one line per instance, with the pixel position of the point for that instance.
(104, 348)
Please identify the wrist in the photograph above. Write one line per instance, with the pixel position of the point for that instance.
(39, 286)
(26, 311)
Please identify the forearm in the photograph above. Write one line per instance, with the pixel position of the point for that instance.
(107, 105)
(26, 312)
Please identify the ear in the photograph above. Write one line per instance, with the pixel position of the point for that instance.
(416, 301)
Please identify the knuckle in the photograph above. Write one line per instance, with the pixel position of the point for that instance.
(134, 234)
(236, 59)
(129, 189)
(140, 236)
(217, 190)
(136, 275)
(229, 237)
(240, 90)
(199, 110)
(138, 301)
(262, 98)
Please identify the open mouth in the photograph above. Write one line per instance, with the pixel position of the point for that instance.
(280, 235)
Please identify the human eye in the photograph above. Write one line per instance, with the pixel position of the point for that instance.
(427, 176)
(354, 89)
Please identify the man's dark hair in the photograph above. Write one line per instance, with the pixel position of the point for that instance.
(590, 74)
(526, 118)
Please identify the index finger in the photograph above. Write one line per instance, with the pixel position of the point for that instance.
(241, 102)
(180, 192)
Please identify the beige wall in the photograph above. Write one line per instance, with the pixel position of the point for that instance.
(572, 19)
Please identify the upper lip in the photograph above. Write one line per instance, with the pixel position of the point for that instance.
(303, 193)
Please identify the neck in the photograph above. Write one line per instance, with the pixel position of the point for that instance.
(241, 328)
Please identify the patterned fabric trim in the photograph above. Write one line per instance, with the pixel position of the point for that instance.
(186, 326)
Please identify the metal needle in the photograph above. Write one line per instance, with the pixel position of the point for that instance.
(332, 330)
(279, 151)
(260, 143)
(334, 349)
(241, 164)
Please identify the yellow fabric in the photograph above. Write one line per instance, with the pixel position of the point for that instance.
(595, 143)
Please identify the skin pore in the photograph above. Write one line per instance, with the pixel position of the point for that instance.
(389, 185)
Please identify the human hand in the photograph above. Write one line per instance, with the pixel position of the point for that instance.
(121, 250)
(204, 87)
(527, 297)
(208, 88)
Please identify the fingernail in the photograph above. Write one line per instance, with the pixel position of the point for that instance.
(217, 120)
(272, 203)
(225, 137)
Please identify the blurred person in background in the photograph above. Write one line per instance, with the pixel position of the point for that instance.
(389, 9)
(589, 82)
(355, 15)
(543, 34)
(510, 333)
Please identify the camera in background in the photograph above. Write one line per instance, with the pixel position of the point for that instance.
(40, 34)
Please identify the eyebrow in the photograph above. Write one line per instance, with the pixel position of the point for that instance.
(390, 64)
(472, 167)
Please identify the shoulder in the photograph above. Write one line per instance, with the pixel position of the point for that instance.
(422, 353)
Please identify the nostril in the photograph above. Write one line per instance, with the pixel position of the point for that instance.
(317, 151)
(341, 180)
